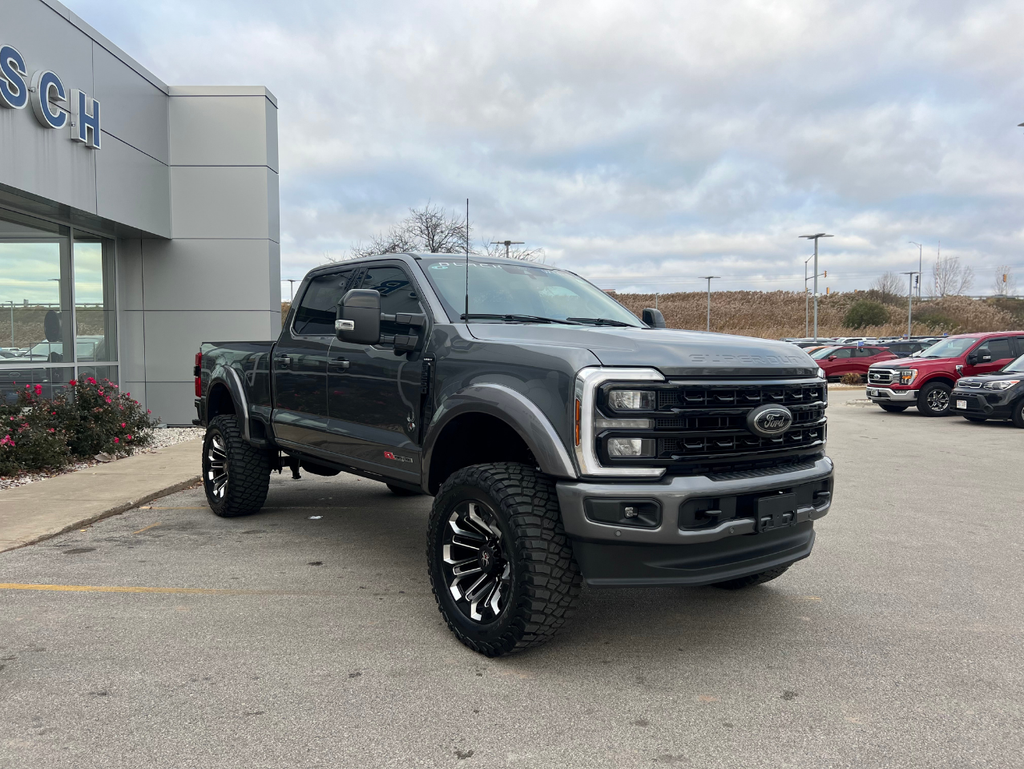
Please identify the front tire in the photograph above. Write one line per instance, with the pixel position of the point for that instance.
(236, 475)
(753, 579)
(501, 566)
(1018, 413)
(893, 409)
(933, 400)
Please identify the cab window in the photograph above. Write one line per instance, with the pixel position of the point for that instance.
(397, 294)
(317, 310)
(997, 348)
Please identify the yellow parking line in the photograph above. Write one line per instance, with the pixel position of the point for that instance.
(147, 528)
(172, 590)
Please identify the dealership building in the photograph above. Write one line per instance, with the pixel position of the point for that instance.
(137, 219)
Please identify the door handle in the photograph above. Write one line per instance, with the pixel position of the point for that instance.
(339, 364)
(284, 361)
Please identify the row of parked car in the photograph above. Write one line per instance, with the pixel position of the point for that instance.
(977, 376)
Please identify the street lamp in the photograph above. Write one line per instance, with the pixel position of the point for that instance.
(291, 288)
(910, 300)
(920, 248)
(815, 239)
(807, 299)
(506, 244)
(709, 278)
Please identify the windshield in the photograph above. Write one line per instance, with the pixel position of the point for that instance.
(823, 353)
(948, 348)
(523, 292)
(1015, 366)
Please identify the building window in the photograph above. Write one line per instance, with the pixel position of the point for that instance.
(57, 314)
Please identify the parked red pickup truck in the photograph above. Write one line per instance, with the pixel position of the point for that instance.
(927, 380)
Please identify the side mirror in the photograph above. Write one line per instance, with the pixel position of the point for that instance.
(358, 317)
(653, 318)
(831, 357)
(972, 359)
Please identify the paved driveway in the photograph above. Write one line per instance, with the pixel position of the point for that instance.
(287, 640)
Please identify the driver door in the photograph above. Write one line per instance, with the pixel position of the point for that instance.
(990, 355)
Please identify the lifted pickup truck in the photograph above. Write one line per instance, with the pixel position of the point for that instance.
(926, 381)
(562, 438)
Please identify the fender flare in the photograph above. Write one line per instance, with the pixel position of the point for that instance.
(228, 377)
(511, 407)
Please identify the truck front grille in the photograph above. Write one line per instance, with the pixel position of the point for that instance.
(880, 376)
(703, 426)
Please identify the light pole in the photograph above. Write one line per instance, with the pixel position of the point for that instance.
(291, 289)
(709, 278)
(910, 300)
(506, 244)
(12, 323)
(807, 299)
(815, 239)
(920, 262)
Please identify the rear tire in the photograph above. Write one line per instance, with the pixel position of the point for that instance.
(236, 475)
(933, 400)
(753, 579)
(892, 409)
(501, 566)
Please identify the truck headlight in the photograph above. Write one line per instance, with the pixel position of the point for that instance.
(630, 447)
(1003, 384)
(631, 400)
(907, 375)
(821, 373)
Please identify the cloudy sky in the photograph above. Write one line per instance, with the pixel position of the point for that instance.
(639, 143)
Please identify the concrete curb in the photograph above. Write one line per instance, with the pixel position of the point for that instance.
(39, 511)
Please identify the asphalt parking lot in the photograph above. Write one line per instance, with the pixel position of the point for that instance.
(291, 640)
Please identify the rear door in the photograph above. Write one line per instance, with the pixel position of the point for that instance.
(300, 363)
(374, 395)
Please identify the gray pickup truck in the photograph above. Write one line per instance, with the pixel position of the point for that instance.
(563, 439)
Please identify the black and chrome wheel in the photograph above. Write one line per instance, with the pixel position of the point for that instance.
(476, 565)
(236, 475)
(1018, 413)
(501, 566)
(933, 400)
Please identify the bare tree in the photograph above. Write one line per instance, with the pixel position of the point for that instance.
(950, 278)
(889, 286)
(1005, 283)
(492, 248)
(430, 229)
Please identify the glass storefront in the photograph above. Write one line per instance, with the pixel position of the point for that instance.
(57, 315)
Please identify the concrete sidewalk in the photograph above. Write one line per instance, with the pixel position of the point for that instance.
(46, 508)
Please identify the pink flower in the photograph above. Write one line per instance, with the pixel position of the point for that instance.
(128, 437)
(73, 382)
(123, 424)
(39, 389)
(6, 441)
(52, 430)
(117, 440)
(108, 400)
(90, 380)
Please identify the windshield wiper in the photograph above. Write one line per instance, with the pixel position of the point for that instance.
(516, 318)
(602, 322)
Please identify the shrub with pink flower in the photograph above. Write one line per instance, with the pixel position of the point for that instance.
(87, 418)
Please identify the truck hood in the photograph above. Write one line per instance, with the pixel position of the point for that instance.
(675, 353)
(918, 363)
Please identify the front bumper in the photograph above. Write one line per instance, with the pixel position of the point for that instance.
(889, 395)
(709, 528)
(983, 403)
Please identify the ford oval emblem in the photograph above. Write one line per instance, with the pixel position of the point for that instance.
(769, 421)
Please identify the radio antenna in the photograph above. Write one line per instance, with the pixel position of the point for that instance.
(467, 261)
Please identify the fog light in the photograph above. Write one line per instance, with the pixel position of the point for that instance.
(631, 447)
(631, 400)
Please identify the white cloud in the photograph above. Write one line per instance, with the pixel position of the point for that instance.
(636, 139)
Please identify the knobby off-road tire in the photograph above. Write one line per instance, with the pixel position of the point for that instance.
(236, 475)
(933, 400)
(753, 579)
(1018, 413)
(500, 564)
(892, 409)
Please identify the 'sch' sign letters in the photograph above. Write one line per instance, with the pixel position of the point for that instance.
(53, 105)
